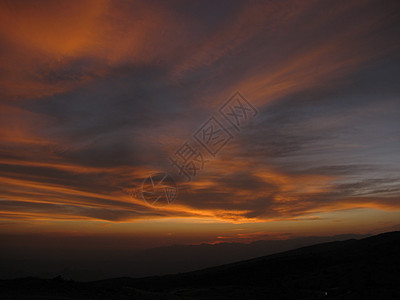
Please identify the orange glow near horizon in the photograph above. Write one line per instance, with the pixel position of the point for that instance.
(96, 94)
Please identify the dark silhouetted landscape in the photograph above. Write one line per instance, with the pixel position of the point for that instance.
(352, 269)
(93, 261)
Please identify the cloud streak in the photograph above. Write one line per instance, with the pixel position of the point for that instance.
(96, 94)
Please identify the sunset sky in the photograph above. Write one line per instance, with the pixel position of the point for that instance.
(96, 95)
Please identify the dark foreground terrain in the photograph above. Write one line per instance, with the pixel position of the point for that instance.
(354, 269)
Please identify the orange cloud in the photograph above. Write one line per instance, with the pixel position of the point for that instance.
(46, 39)
(260, 49)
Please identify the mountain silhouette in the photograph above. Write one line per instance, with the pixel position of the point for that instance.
(89, 260)
(368, 268)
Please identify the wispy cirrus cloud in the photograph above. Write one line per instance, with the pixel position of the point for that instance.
(95, 94)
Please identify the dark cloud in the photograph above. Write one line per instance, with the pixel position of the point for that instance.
(88, 116)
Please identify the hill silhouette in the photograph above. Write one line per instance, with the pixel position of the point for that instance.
(353, 269)
(88, 259)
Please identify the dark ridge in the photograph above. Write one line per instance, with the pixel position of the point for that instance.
(351, 269)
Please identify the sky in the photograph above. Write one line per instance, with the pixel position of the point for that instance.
(95, 96)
